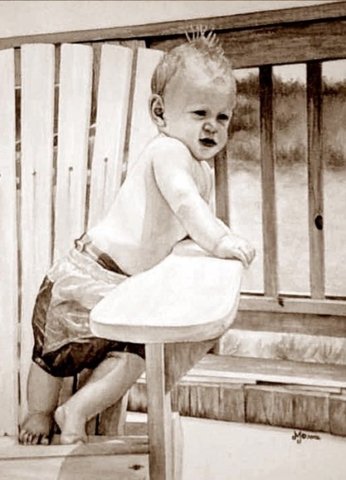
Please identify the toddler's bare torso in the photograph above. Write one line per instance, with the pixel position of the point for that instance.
(140, 228)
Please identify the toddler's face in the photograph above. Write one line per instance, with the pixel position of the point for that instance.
(198, 113)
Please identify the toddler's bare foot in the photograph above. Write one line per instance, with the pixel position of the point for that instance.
(36, 429)
(72, 427)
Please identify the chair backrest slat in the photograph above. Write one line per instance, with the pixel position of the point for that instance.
(8, 248)
(111, 121)
(73, 131)
(37, 119)
(142, 127)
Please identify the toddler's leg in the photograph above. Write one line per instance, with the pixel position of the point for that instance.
(43, 395)
(106, 386)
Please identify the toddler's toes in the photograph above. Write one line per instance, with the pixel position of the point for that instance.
(36, 429)
(44, 440)
(22, 436)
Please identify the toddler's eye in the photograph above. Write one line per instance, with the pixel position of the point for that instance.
(222, 117)
(200, 113)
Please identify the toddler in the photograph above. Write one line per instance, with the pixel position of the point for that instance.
(163, 200)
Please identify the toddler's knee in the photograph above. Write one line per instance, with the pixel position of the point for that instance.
(126, 358)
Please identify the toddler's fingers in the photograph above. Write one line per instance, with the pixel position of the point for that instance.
(240, 255)
(250, 255)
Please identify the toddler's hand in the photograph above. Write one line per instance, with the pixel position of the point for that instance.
(232, 246)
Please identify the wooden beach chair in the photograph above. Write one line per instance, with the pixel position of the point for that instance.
(178, 309)
(84, 119)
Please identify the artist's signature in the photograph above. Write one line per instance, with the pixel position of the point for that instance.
(299, 436)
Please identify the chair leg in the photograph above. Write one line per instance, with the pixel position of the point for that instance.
(177, 439)
(159, 415)
(112, 420)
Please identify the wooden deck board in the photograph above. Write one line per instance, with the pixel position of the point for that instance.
(97, 446)
(98, 459)
(124, 467)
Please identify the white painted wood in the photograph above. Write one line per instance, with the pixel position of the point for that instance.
(159, 415)
(74, 118)
(111, 121)
(189, 296)
(8, 248)
(37, 116)
(142, 127)
(178, 447)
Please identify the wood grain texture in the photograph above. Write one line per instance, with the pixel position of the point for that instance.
(181, 357)
(73, 130)
(269, 222)
(124, 467)
(159, 415)
(315, 178)
(331, 11)
(337, 414)
(178, 447)
(302, 323)
(267, 370)
(277, 406)
(111, 120)
(278, 44)
(96, 446)
(37, 117)
(142, 127)
(287, 304)
(222, 187)
(8, 245)
(218, 400)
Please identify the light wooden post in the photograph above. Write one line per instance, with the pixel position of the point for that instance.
(159, 415)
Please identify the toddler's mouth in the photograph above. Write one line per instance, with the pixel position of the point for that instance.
(207, 142)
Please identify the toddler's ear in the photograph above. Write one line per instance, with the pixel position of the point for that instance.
(156, 108)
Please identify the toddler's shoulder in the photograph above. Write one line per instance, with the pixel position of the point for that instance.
(169, 146)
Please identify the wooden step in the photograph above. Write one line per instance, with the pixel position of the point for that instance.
(245, 370)
(250, 370)
(282, 393)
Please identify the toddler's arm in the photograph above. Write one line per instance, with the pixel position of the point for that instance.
(174, 177)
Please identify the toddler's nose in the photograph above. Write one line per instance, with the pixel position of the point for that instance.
(210, 127)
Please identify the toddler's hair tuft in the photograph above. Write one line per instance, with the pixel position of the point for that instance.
(204, 39)
(202, 48)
